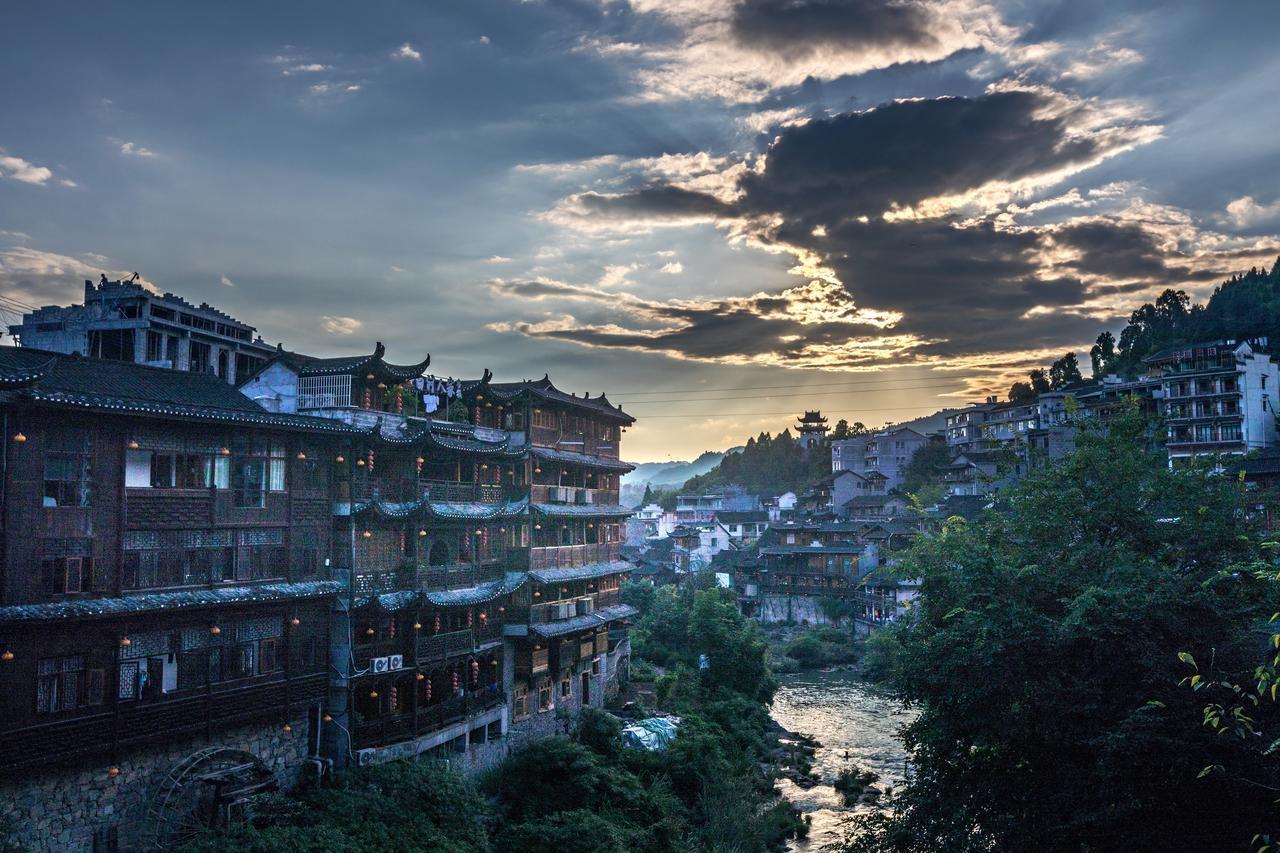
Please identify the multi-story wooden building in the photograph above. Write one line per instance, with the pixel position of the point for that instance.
(165, 593)
(206, 589)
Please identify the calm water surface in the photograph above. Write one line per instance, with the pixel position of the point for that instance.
(846, 715)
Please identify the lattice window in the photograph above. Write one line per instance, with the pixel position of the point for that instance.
(319, 392)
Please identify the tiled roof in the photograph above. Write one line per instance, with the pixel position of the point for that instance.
(582, 510)
(746, 517)
(544, 390)
(307, 365)
(835, 548)
(144, 602)
(872, 500)
(580, 573)
(570, 457)
(124, 387)
(583, 623)
(436, 509)
(478, 594)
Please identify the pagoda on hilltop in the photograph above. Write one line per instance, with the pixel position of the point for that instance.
(812, 427)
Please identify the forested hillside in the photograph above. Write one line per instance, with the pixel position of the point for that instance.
(768, 465)
(1245, 306)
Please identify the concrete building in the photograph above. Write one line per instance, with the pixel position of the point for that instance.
(849, 454)
(889, 451)
(1218, 398)
(123, 321)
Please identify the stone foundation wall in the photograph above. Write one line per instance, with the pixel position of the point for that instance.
(63, 809)
(800, 609)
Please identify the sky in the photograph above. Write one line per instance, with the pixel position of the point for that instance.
(719, 212)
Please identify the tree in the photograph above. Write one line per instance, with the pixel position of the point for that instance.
(1102, 353)
(840, 431)
(648, 495)
(1075, 600)
(1039, 381)
(1020, 392)
(1065, 371)
(922, 469)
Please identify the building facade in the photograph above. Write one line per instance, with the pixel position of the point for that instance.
(123, 321)
(342, 561)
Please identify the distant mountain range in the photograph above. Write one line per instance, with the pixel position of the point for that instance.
(667, 474)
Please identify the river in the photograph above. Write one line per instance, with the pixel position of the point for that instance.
(848, 716)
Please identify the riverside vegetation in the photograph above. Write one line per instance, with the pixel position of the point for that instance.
(1092, 664)
(583, 792)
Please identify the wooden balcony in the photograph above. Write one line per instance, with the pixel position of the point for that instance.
(568, 608)
(150, 723)
(573, 495)
(564, 556)
(453, 492)
(437, 647)
(380, 731)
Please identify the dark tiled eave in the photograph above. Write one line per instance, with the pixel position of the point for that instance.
(468, 596)
(94, 402)
(572, 458)
(580, 573)
(582, 510)
(587, 622)
(471, 511)
(156, 602)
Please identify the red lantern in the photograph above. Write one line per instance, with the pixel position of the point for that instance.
(475, 673)
(453, 679)
(470, 614)
(435, 624)
(395, 699)
(426, 690)
(368, 399)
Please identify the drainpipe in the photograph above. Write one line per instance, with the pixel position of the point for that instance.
(336, 742)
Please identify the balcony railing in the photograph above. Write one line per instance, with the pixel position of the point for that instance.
(453, 492)
(379, 731)
(574, 495)
(137, 723)
(568, 608)
(437, 647)
(564, 556)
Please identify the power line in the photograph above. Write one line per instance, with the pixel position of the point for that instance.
(792, 412)
(795, 394)
(755, 387)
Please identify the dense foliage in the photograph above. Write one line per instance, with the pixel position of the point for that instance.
(1044, 661)
(767, 465)
(405, 807)
(704, 792)
(1245, 306)
(585, 793)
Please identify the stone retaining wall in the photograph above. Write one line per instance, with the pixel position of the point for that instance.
(64, 809)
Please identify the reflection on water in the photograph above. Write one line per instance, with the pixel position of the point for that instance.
(846, 715)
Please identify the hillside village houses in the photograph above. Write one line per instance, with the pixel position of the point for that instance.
(221, 576)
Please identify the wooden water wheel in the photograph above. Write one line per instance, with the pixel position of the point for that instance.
(209, 789)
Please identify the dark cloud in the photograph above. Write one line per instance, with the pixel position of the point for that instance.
(795, 28)
(861, 164)
(1126, 250)
(661, 201)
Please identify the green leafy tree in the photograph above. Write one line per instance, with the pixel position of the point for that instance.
(1043, 660)
(923, 469)
(1102, 353)
(1065, 371)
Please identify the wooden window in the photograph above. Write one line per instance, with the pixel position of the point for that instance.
(520, 702)
(67, 468)
(64, 684)
(566, 687)
(67, 574)
(267, 661)
(544, 696)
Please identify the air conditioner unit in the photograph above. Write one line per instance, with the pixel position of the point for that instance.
(379, 664)
(586, 496)
(395, 661)
(364, 757)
